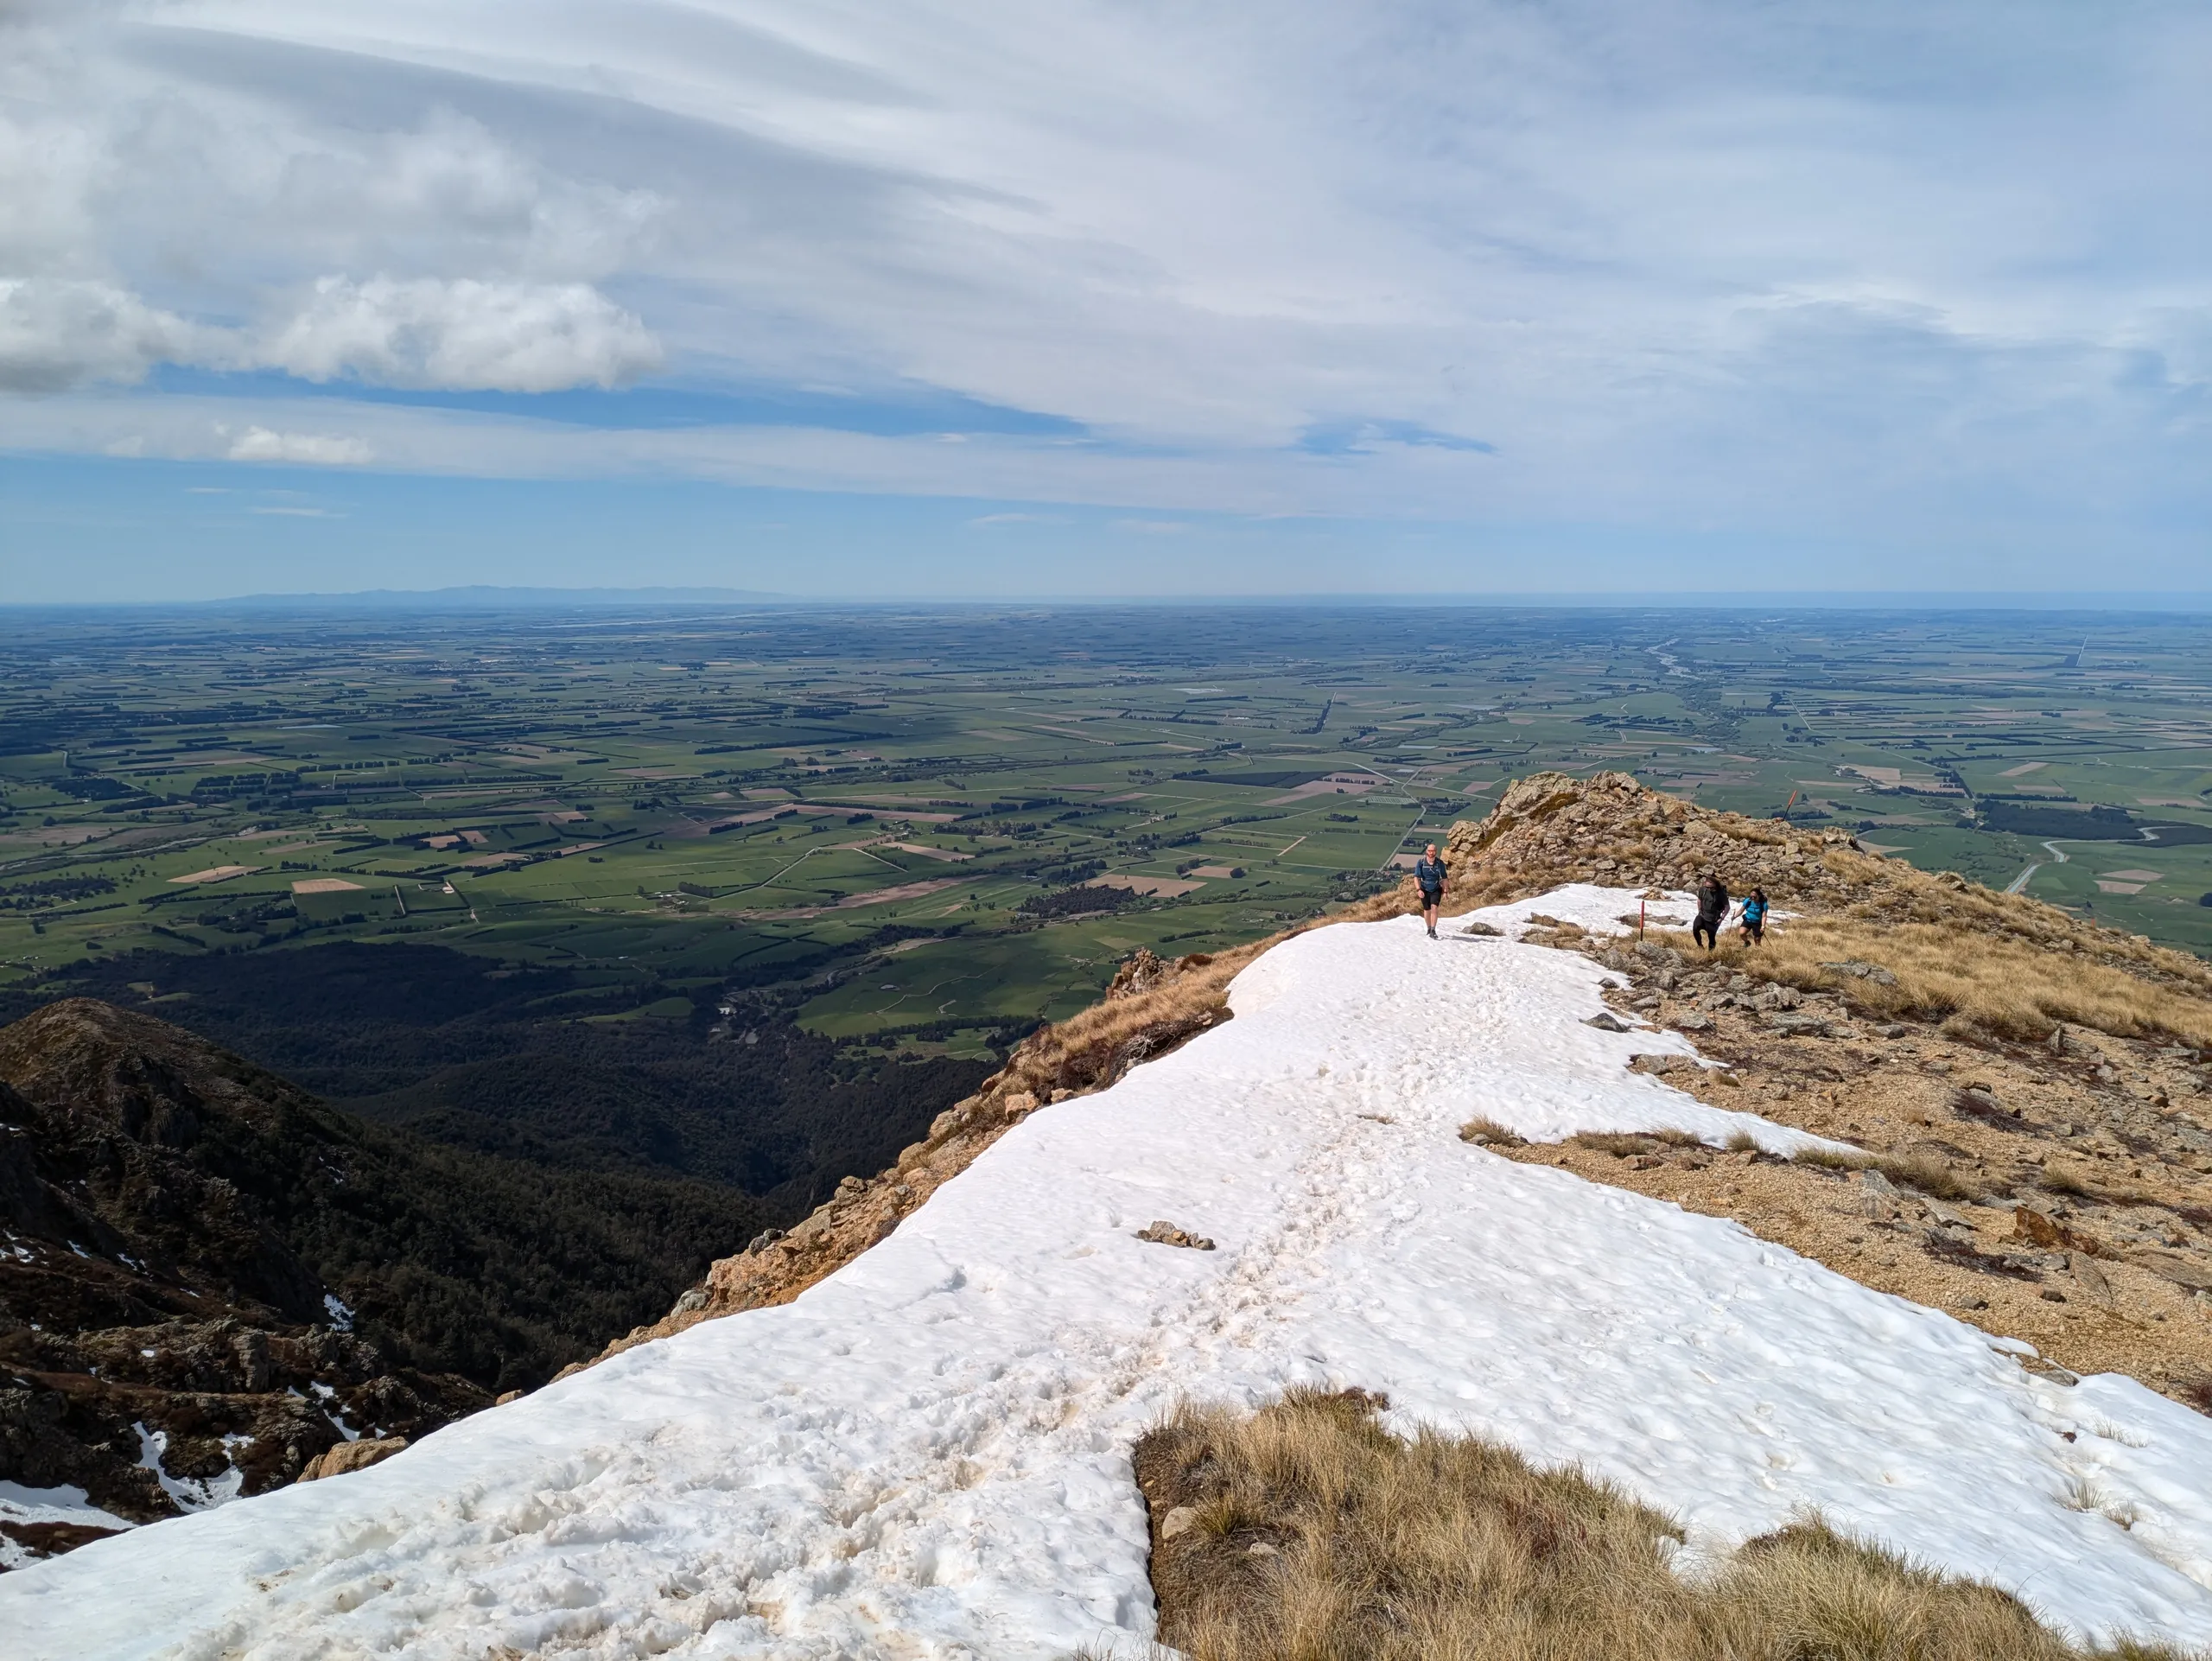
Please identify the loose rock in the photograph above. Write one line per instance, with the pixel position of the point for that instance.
(1162, 1232)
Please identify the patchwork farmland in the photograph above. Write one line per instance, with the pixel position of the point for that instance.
(920, 832)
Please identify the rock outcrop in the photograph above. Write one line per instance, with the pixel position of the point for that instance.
(1552, 827)
(352, 1456)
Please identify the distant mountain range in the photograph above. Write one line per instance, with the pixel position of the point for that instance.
(480, 597)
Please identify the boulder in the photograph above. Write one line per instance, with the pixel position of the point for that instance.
(1864, 971)
(352, 1456)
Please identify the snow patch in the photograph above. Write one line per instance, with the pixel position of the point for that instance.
(324, 1395)
(191, 1493)
(341, 1318)
(1595, 910)
(65, 1505)
(927, 1454)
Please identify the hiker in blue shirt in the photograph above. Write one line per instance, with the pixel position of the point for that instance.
(1432, 878)
(1754, 917)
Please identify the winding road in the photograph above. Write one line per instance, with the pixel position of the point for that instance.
(2019, 884)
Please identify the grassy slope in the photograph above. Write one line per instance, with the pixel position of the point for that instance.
(1306, 1532)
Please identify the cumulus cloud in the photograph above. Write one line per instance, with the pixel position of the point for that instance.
(316, 449)
(508, 337)
(466, 335)
(57, 333)
(424, 335)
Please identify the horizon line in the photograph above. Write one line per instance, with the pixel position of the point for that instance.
(492, 596)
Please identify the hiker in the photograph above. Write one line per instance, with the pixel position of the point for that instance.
(1712, 910)
(1754, 917)
(1430, 875)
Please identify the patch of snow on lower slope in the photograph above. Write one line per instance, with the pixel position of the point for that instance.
(20, 1504)
(927, 1455)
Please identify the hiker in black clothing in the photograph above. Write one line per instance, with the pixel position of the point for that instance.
(1712, 910)
(1430, 875)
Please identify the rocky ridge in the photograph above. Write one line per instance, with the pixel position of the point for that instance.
(1813, 1041)
(1552, 828)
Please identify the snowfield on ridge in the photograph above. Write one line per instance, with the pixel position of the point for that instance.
(927, 1454)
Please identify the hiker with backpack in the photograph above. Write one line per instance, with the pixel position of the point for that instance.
(1431, 877)
(1712, 910)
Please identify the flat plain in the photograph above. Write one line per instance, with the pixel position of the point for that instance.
(920, 831)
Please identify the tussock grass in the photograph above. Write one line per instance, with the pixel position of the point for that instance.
(1828, 1160)
(1906, 895)
(1091, 1048)
(1924, 1172)
(1488, 1133)
(1620, 1146)
(2004, 983)
(1305, 1532)
(2058, 1179)
(1624, 1144)
(1934, 1178)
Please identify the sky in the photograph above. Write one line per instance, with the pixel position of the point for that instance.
(1001, 299)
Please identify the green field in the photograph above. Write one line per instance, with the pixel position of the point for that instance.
(873, 810)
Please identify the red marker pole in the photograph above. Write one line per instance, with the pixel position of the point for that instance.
(1642, 905)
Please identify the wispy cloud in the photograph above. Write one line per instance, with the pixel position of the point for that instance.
(1363, 438)
(318, 449)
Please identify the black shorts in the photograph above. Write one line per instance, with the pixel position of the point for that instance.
(1431, 898)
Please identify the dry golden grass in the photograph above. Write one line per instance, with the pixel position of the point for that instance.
(1307, 1532)
(1900, 894)
(1932, 1176)
(1998, 982)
